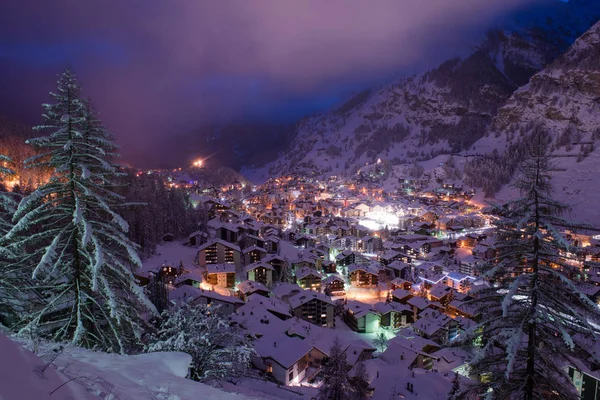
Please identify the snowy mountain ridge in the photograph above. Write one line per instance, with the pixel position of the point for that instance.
(563, 101)
(445, 110)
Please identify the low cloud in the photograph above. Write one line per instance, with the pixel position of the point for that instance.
(156, 67)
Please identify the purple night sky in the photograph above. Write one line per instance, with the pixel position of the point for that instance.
(155, 68)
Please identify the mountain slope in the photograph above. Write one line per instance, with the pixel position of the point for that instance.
(564, 101)
(444, 110)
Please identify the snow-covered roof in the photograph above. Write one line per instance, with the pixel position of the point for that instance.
(333, 278)
(418, 302)
(284, 350)
(360, 309)
(271, 304)
(220, 268)
(283, 289)
(211, 294)
(308, 295)
(219, 241)
(385, 308)
(258, 264)
(304, 272)
(248, 287)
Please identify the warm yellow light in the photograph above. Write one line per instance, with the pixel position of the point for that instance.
(198, 163)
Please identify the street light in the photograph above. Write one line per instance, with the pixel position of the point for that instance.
(198, 163)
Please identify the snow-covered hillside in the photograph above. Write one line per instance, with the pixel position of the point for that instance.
(444, 110)
(83, 374)
(564, 101)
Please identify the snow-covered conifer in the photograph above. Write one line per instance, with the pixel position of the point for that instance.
(336, 382)
(535, 319)
(9, 276)
(218, 350)
(360, 383)
(76, 252)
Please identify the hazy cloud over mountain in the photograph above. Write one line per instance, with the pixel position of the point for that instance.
(158, 67)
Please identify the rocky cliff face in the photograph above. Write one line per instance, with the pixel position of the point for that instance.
(445, 110)
(563, 100)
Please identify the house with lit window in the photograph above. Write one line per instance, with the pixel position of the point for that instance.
(253, 254)
(221, 275)
(364, 275)
(313, 307)
(284, 358)
(218, 251)
(334, 285)
(248, 288)
(394, 315)
(308, 278)
(441, 293)
(362, 317)
(260, 272)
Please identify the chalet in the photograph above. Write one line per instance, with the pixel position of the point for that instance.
(197, 238)
(285, 291)
(308, 278)
(218, 251)
(168, 237)
(191, 276)
(276, 261)
(272, 244)
(441, 293)
(418, 305)
(221, 275)
(248, 288)
(333, 285)
(394, 315)
(313, 307)
(364, 275)
(362, 317)
(284, 358)
(459, 282)
(329, 267)
(399, 269)
(345, 258)
(401, 296)
(462, 309)
(253, 254)
(227, 232)
(277, 307)
(356, 350)
(400, 283)
(215, 207)
(260, 272)
(434, 325)
(227, 304)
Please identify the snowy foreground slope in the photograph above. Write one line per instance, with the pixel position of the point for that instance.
(155, 376)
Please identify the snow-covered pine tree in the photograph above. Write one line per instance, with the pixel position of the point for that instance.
(286, 274)
(9, 276)
(76, 250)
(336, 382)
(535, 317)
(218, 350)
(360, 382)
(454, 393)
(380, 341)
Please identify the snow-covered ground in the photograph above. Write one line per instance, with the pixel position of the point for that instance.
(170, 253)
(96, 375)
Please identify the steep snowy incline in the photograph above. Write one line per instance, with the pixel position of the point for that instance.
(564, 101)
